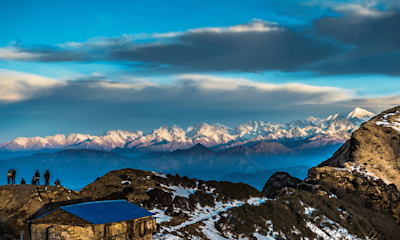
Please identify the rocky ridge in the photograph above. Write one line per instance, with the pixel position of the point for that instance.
(375, 147)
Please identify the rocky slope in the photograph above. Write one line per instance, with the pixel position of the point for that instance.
(372, 191)
(330, 204)
(165, 139)
(20, 203)
(374, 147)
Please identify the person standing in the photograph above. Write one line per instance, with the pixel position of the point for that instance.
(37, 177)
(13, 172)
(47, 177)
(9, 175)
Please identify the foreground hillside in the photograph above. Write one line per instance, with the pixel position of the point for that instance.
(286, 208)
(330, 204)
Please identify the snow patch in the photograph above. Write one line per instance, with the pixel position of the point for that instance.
(160, 236)
(384, 122)
(159, 174)
(327, 233)
(309, 210)
(179, 191)
(160, 216)
(363, 171)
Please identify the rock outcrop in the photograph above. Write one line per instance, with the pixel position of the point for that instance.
(278, 181)
(371, 190)
(130, 184)
(375, 146)
(20, 203)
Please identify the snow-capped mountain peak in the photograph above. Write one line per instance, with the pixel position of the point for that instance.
(313, 120)
(360, 114)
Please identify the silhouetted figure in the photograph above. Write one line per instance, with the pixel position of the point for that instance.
(47, 177)
(9, 176)
(37, 177)
(13, 172)
(57, 183)
(22, 181)
(33, 182)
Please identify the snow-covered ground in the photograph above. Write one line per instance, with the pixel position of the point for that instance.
(209, 216)
(337, 233)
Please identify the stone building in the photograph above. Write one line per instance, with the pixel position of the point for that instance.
(106, 220)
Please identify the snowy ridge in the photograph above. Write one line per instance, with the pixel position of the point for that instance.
(395, 124)
(172, 138)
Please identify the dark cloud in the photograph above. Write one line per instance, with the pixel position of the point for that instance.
(252, 47)
(373, 43)
(284, 49)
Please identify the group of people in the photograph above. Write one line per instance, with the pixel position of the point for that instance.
(35, 179)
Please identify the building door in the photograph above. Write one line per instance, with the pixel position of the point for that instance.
(108, 232)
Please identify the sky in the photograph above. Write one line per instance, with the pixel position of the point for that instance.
(93, 66)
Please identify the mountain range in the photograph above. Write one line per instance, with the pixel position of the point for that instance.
(309, 133)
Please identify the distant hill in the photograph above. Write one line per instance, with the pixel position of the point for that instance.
(259, 178)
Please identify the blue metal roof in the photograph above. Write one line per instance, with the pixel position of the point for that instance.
(107, 211)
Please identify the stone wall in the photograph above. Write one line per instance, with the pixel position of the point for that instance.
(137, 229)
(141, 228)
(60, 232)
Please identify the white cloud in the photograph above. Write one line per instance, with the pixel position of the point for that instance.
(360, 10)
(364, 8)
(322, 94)
(16, 86)
(12, 53)
(256, 25)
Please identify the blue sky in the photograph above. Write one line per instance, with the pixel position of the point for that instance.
(93, 66)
